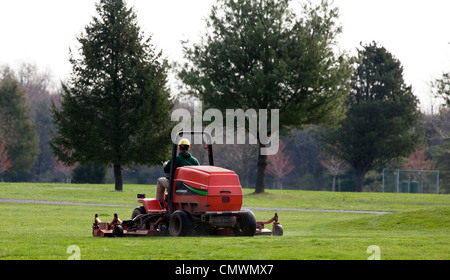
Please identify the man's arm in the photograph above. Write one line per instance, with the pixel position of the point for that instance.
(167, 167)
(196, 161)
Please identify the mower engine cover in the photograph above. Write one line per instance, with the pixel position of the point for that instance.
(206, 189)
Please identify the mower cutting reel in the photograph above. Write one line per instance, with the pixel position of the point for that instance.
(201, 200)
(277, 228)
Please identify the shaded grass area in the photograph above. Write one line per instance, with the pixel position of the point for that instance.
(418, 228)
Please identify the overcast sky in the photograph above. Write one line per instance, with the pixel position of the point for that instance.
(416, 32)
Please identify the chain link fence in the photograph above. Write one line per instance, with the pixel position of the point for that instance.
(410, 181)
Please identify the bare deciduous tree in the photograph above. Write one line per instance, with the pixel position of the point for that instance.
(334, 167)
(65, 170)
(279, 165)
(418, 161)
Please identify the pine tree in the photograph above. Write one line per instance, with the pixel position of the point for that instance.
(116, 106)
(383, 122)
(441, 88)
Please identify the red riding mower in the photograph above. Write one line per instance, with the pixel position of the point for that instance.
(201, 200)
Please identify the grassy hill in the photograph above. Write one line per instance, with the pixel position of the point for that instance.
(417, 227)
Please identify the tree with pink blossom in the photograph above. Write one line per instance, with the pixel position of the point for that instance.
(280, 165)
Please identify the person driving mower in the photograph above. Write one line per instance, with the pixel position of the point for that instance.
(184, 158)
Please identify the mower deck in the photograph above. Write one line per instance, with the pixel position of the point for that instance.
(117, 228)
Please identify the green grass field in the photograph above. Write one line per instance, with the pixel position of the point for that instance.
(418, 227)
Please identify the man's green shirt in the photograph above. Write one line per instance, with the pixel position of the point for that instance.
(182, 159)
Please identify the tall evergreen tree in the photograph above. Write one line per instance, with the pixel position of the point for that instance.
(116, 106)
(441, 88)
(383, 121)
(16, 128)
(258, 54)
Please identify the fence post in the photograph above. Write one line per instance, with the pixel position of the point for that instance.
(409, 182)
(421, 181)
(397, 181)
(437, 182)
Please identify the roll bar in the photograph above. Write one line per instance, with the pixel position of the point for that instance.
(172, 162)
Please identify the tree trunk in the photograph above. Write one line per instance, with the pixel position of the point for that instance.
(261, 171)
(118, 177)
(360, 174)
(333, 186)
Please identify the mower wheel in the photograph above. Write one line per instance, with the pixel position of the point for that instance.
(163, 231)
(247, 224)
(277, 230)
(137, 211)
(180, 224)
(118, 231)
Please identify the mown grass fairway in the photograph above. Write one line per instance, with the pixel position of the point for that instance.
(418, 227)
